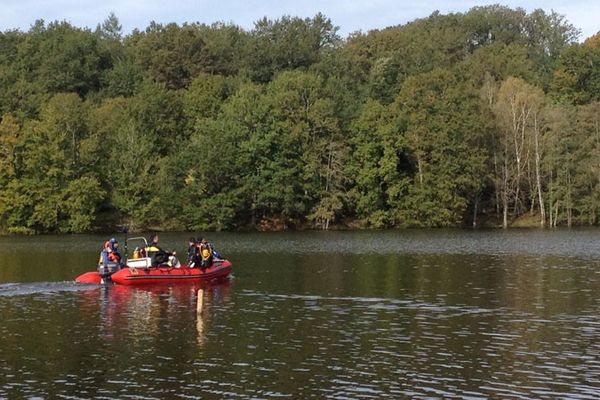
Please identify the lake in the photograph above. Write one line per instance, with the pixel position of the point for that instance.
(345, 315)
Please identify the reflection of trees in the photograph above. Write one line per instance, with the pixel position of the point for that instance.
(542, 286)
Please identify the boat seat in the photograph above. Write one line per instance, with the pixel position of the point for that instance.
(144, 262)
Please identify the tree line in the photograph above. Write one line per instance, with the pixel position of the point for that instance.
(489, 117)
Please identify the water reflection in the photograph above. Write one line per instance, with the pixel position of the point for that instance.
(373, 347)
(458, 316)
(138, 313)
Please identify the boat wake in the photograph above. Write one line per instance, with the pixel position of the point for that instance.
(21, 289)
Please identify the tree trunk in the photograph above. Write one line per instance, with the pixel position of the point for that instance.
(420, 169)
(504, 213)
(475, 211)
(253, 210)
(497, 189)
(551, 200)
(569, 204)
(518, 135)
(538, 171)
(505, 193)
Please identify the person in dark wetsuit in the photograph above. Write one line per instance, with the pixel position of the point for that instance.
(157, 255)
(192, 254)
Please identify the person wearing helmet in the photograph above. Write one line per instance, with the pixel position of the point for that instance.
(110, 252)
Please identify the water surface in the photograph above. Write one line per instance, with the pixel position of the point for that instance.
(348, 315)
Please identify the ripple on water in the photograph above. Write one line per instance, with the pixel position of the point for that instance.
(43, 288)
(490, 334)
(267, 345)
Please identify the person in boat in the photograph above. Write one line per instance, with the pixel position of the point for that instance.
(206, 254)
(110, 252)
(157, 255)
(192, 254)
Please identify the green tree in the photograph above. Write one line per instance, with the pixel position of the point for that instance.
(221, 173)
(311, 144)
(372, 151)
(445, 162)
(560, 163)
(576, 78)
(111, 29)
(583, 124)
(61, 58)
(158, 114)
(49, 191)
(127, 159)
(168, 54)
(9, 140)
(205, 97)
(288, 43)
(547, 35)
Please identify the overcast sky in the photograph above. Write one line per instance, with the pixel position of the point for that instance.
(349, 15)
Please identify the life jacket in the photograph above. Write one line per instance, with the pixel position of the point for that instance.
(152, 248)
(205, 251)
(112, 254)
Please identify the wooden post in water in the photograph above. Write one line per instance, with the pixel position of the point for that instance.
(200, 301)
(200, 317)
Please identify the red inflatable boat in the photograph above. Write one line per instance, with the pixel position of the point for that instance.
(141, 271)
(161, 274)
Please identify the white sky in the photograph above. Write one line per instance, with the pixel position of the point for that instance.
(349, 15)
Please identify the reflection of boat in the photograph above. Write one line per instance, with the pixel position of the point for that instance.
(125, 311)
(143, 270)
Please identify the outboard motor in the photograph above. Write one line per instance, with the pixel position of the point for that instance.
(106, 270)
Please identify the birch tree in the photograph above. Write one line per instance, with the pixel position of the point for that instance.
(517, 112)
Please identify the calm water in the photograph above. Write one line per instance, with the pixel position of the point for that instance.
(367, 315)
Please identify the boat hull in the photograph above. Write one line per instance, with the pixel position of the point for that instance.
(162, 274)
(92, 278)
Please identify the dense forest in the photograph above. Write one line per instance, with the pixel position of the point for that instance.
(489, 117)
